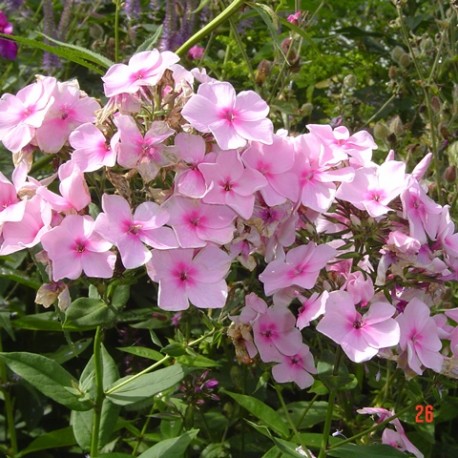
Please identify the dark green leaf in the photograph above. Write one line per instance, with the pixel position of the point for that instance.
(145, 386)
(288, 448)
(50, 441)
(47, 376)
(15, 275)
(316, 413)
(120, 297)
(5, 323)
(261, 411)
(365, 451)
(143, 352)
(67, 352)
(171, 448)
(85, 313)
(46, 321)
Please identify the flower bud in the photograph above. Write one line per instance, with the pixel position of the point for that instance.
(450, 174)
(381, 131)
(404, 60)
(306, 109)
(436, 104)
(392, 72)
(396, 126)
(263, 71)
(396, 53)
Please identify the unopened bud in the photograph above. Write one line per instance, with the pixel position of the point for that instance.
(263, 71)
(404, 60)
(436, 104)
(392, 72)
(396, 53)
(306, 109)
(450, 174)
(381, 131)
(396, 126)
(427, 44)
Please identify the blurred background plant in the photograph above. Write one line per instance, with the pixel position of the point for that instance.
(388, 67)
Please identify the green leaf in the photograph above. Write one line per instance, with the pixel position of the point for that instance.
(67, 54)
(82, 421)
(145, 386)
(45, 321)
(49, 441)
(15, 275)
(195, 360)
(364, 451)
(261, 411)
(149, 43)
(143, 352)
(83, 53)
(315, 414)
(5, 323)
(47, 376)
(67, 352)
(344, 382)
(114, 455)
(120, 296)
(288, 448)
(171, 448)
(85, 313)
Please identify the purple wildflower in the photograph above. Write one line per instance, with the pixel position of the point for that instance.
(8, 49)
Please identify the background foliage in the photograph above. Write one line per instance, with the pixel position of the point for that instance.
(354, 63)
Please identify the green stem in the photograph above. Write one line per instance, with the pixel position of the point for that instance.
(198, 36)
(9, 407)
(116, 29)
(97, 416)
(143, 431)
(331, 402)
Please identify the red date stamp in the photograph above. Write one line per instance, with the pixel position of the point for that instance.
(425, 414)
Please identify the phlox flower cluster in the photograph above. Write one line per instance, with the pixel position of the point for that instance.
(182, 176)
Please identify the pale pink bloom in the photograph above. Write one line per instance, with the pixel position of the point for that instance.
(373, 188)
(74, 247)
(275, 334)
(301, 267)
(11, 208)
(360, 336)
(230, 184)
(145, 153)
(200, 74)
(420, 211)
(196, 223)
(68, 110)
(294, 18)
(272, 161)
(402, 243)
(359, 145)
(129, 232)
(186, 276)
(446, 235)
(313, 174)
(189, 180)
(254, 308)
(196, 52)
(231, 118)
(296, 368)
(311, 308)
(91, 149)
(144, 69)
(419, 337)
(422, 167)
(73, 187)
(360, 287)
(400, 441)
(22, 114)
(26, 232)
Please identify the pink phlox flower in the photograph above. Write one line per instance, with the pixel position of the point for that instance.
(8, 48)
(26, 232)
(422, 167)
(73, 188)
(446, 235)
(144, 69)
(373, 188)
(360, 287)
(185, 275)
(91, 149)
(420, 210)
(11, 207)
(23, 113)
(272, 161)
(130, 231)
(311, 308)
(300, 267)
(229, 183)
(200, 74)
(145, 153)
(294, 18)
(397, 438)
(314, 174)
(74, 247)
(402, 243)
(196, 223)
(296, 368)
(444, 329)
(275, 334)
(189, 180)
(231, 118)
(68, 110)
(358, 146)
(360, 336)
(419, 338)
(254, 308)
(196, 52)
